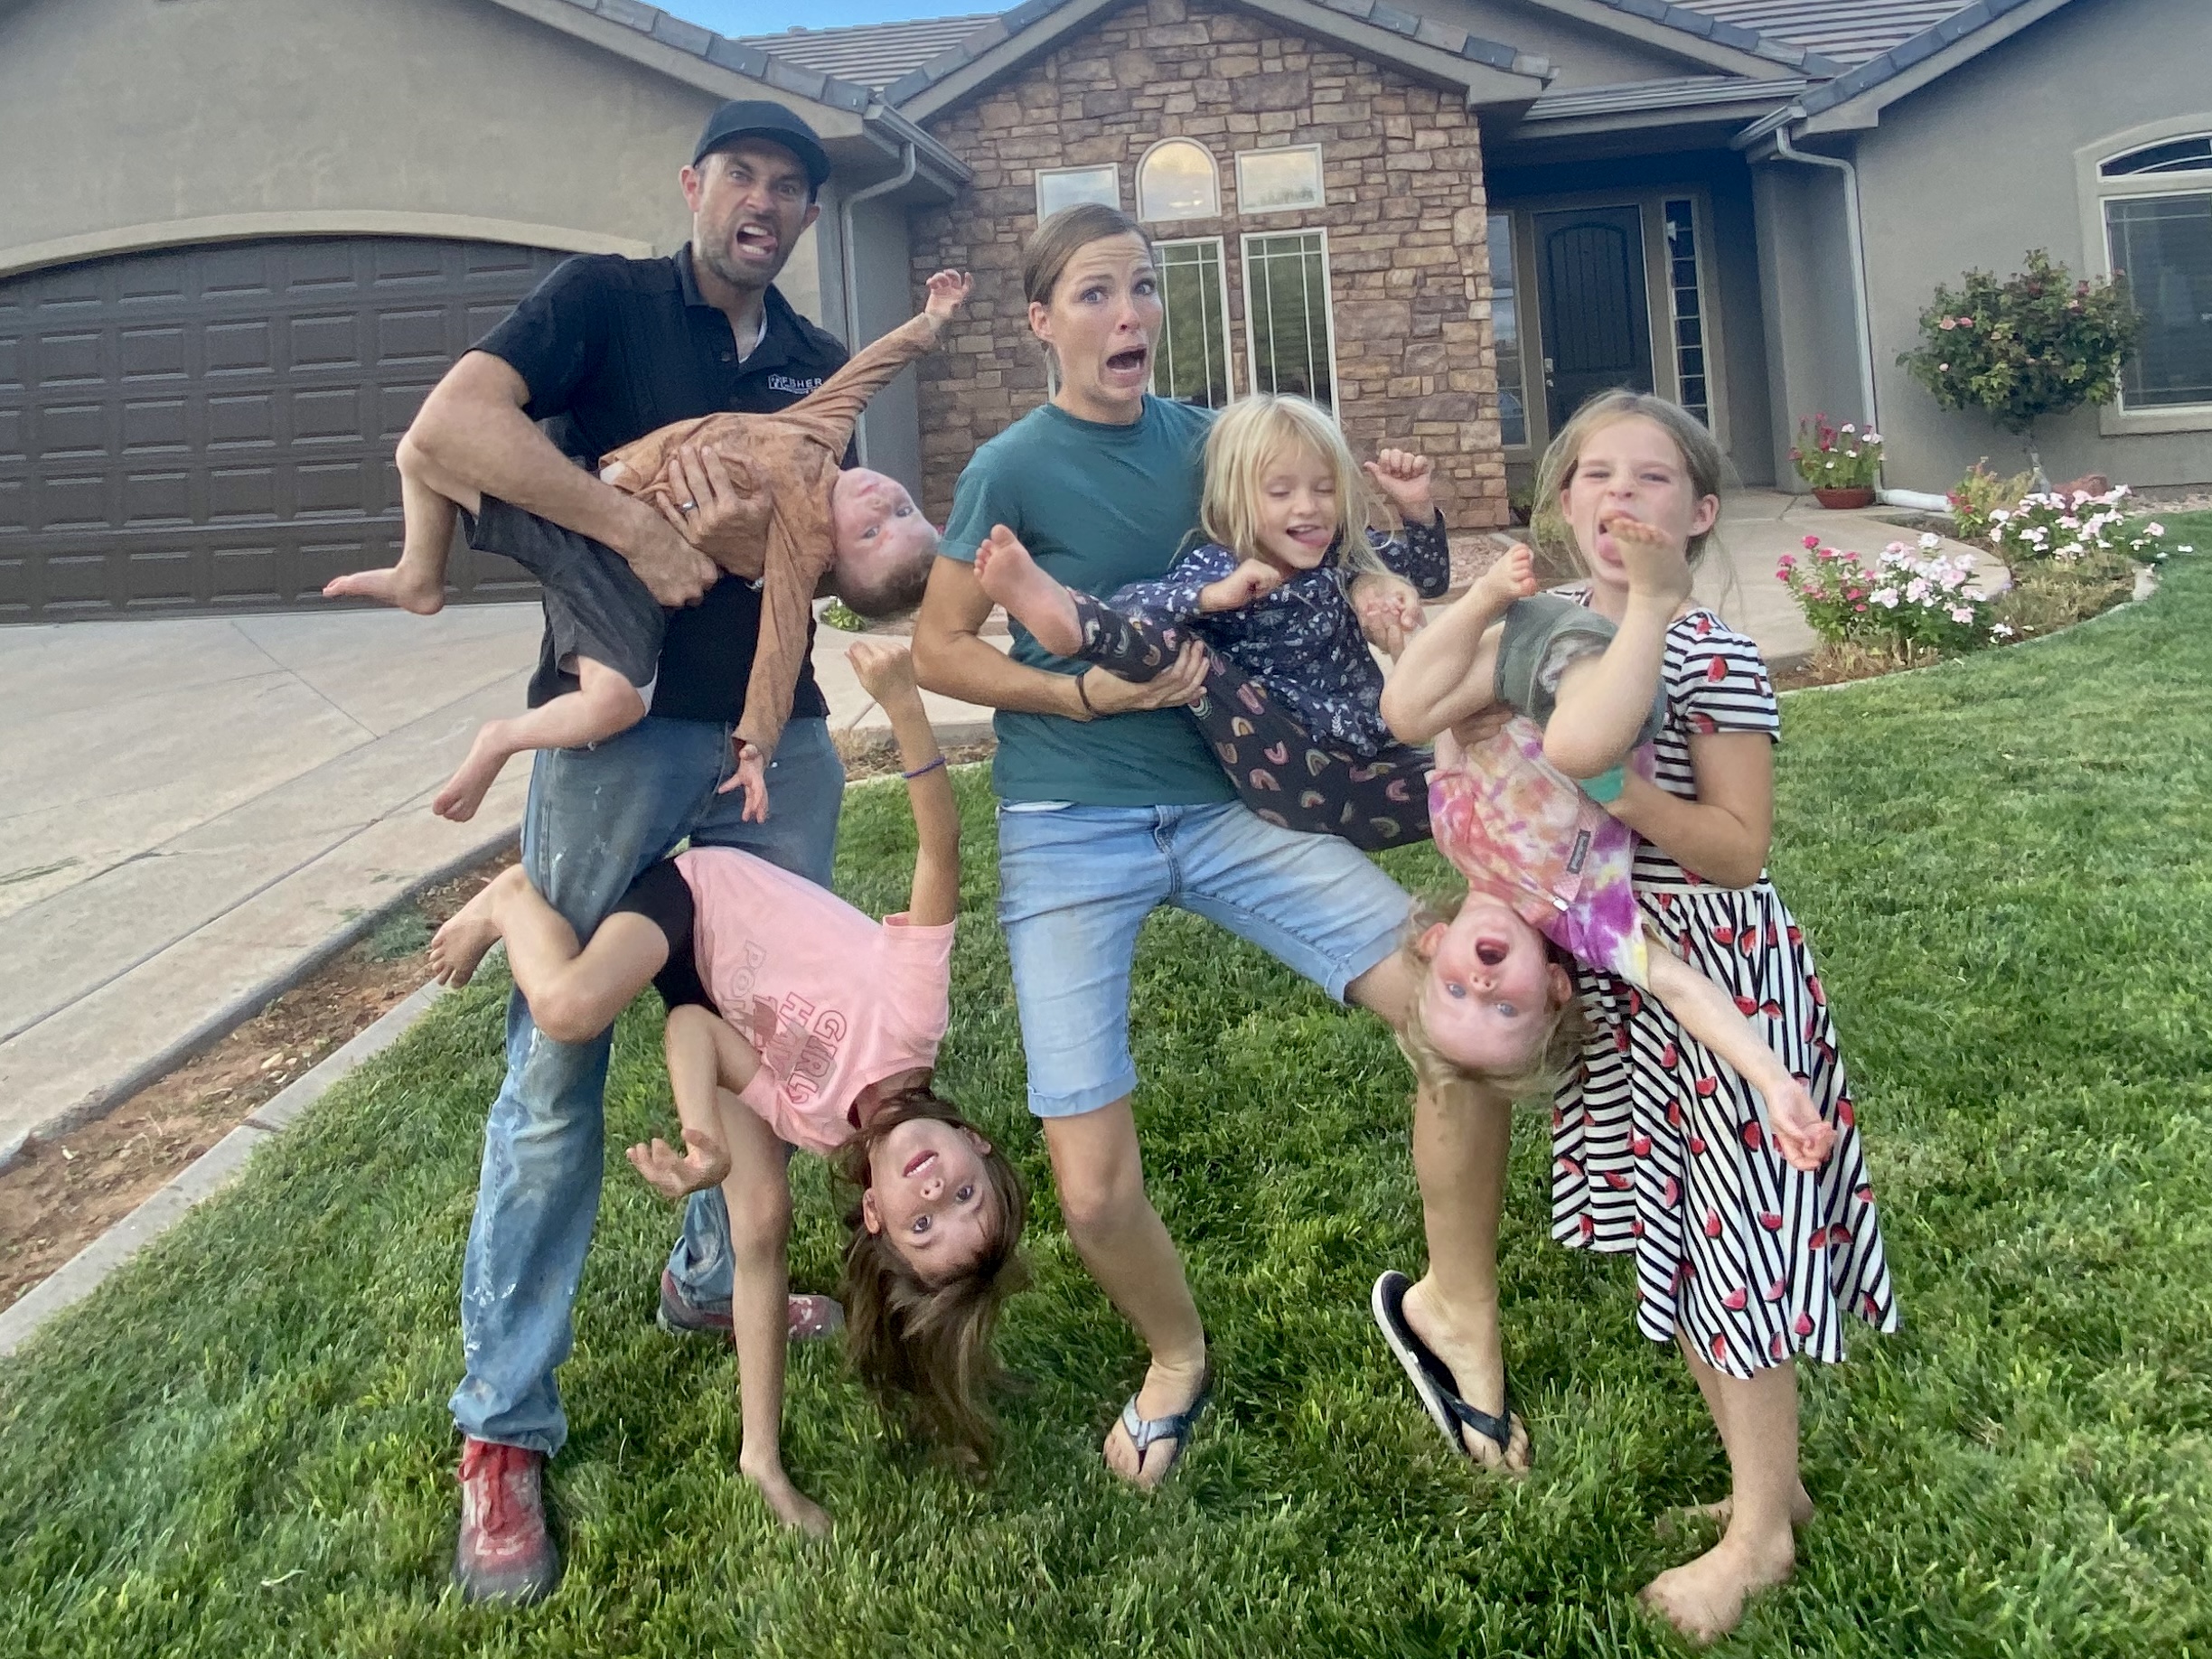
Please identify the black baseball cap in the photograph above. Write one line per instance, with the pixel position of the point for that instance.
(747, 117)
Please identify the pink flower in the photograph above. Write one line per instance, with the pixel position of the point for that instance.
(1966, 322)
(1946, 325)
(1788, 560)
(1812, 541)
(2155, 528)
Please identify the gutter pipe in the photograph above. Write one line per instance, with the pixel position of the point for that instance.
(883, 187)
(1855, 232)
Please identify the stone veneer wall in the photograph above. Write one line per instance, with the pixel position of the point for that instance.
(1408, 236)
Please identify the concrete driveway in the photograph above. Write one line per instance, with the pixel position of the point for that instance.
(193, 811)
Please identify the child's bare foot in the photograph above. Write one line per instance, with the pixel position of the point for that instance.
(1704, 1600)
(1658, 566)
(1691, 1516)
(401, 584)
(456, 948)
(703, 1164)
(1476, 1359)
(1009, 574)
(789, 1505)
(466, 789)
(1511, 575)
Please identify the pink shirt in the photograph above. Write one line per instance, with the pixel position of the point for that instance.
(830, 1000)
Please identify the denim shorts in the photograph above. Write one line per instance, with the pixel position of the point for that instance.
(1075, 884)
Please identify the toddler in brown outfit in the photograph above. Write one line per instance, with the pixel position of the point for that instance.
(804, 516)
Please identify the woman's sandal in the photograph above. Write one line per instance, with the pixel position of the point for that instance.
(1143, 1432)
(1432, 1379)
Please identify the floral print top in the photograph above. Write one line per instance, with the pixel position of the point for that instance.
(1302, 642)
(1516, 827)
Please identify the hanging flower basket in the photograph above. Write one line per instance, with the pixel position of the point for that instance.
(1845, 500)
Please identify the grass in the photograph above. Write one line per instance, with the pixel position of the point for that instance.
(241, 1447)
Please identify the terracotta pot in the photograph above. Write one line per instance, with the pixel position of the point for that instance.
(1845, 500)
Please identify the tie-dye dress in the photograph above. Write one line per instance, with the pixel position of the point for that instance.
(1662, 1151)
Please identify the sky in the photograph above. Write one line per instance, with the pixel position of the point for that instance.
(771, 17)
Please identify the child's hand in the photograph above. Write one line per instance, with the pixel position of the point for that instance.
(947, 289)
(1255, 578)
(1403, 474)
(885, 671)
(1388, 608)
(751, 776)
(1800, 1135)
(1658, 566)
(703, 1165)
(1511, 575)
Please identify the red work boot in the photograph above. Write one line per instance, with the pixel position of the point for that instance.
(505, 1554)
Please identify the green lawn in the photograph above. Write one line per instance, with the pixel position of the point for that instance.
(241, 1447)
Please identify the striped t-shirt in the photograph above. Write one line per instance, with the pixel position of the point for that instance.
(1714, 680)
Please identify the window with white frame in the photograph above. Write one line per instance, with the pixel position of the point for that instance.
(1278, 180)
(2158, 229)
(1506, 331)
(1687, 307)
(1192, 361)
(1289, 331)
(1066, 187)
(1176, 180)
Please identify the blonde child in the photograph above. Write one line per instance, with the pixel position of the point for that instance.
(1290, 697)
(795, 1020)
(803, 518)
(1745, 1256)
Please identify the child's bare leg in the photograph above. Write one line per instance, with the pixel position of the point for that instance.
(1007, 572)
(758, 1193)
(604, 704)
(417, 582)
(574, 991)
(704, 1054)
(1704, 1599)
(1718, 1401)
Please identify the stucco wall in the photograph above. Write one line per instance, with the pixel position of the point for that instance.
(1811, 317)
(1583, 56)
(195, 120)
(1979, 167)
(1408, 262)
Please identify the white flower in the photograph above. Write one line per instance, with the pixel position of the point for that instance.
(1929, 541)
(1961, 613)
(2000, 632)
(1917, 590)
(1873, 437)
(1887, 597)
(2154, 528)
(1849, 426)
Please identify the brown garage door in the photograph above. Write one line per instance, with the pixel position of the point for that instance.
(212, 428)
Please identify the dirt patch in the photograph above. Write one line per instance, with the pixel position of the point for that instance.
(62, 1194)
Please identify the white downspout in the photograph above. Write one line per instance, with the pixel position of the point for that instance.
(903, 177)
(1856, 235)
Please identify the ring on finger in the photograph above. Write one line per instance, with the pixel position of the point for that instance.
(687, 506)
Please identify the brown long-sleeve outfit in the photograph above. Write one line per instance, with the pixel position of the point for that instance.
(784, 466)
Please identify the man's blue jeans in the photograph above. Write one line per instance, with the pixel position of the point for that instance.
(596, 817)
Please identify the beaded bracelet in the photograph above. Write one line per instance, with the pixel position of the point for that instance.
(923, 771)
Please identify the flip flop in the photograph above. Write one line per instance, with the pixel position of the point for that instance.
(1143, 1432)
(1432, 1378)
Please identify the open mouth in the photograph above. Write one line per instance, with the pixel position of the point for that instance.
(918, 1162)
(755, 239)
(1133, 362)
(1490, 952)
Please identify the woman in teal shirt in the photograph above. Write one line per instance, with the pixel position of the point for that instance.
(1111, 804)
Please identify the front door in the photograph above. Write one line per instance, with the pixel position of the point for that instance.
(1597, 321)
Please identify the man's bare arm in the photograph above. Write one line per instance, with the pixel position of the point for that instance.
(472, 439)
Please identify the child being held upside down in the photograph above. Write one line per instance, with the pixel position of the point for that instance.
(794, 1020)
(804, 519)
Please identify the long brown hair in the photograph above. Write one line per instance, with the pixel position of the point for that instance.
(924, 1350)
(1555, 1060)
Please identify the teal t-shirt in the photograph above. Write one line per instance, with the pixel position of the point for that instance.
(1098, 506)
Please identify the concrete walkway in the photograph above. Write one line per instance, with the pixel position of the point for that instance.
(193, 812)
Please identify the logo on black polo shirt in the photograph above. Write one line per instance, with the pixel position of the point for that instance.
(791, 383)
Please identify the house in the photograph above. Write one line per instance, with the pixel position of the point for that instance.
(251, 232)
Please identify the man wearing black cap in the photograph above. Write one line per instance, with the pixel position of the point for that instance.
(604, 351)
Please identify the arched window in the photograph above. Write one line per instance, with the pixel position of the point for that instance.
(1176, 180)
(2156, 202)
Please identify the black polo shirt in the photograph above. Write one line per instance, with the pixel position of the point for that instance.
(612, 348)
